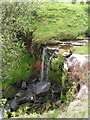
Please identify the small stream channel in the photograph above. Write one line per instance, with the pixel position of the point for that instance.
(39, 92)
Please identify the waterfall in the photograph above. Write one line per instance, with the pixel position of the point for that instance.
(42, 66)
(48, 64)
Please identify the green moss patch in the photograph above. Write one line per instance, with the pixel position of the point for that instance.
(80, 49)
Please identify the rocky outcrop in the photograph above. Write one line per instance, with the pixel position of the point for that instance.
(77, 65)
(82, 95)
(72, 43)
(28, 92)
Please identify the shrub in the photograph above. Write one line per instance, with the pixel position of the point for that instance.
(17, 63)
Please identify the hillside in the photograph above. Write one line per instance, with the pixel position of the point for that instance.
(34, 78)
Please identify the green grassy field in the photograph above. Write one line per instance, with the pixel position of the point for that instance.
(57, 21)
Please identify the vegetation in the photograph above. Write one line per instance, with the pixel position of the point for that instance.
(60, 21)
(80, 49)
(40, 23)
(25, 24)
(77, 112)
(57, 68)
(59, 76)
(19, 69)
(17, 63)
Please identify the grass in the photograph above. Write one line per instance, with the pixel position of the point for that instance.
(59, 21)
(80, 111)
(80, 50)
(54, 21)
(18, 70)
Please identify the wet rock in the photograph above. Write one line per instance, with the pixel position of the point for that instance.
(24, 100)
(79, 43)
(27, 96)
(19, 94)
(41, 87)
(40, 96)
(31, 88)
(84, 42)
(44, 106)
(14, 104)
(24, 86)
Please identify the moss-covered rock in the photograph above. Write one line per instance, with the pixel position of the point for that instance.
(10, 92)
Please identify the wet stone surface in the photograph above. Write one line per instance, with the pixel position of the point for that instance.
(37, 94)
(28, 95)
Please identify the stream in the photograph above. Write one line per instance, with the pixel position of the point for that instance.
(32, 93)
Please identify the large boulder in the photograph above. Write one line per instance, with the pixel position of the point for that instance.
(77, 59)
(77, 65)
(14, 104)
(28, 95)
(41, 87)
(82, 95)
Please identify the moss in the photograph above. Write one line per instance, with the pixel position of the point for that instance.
(80, 49)
(18, 70)
(10, 92)
(57, 70)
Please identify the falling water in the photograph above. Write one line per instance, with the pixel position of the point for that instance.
(48, 64)
(42, 66)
